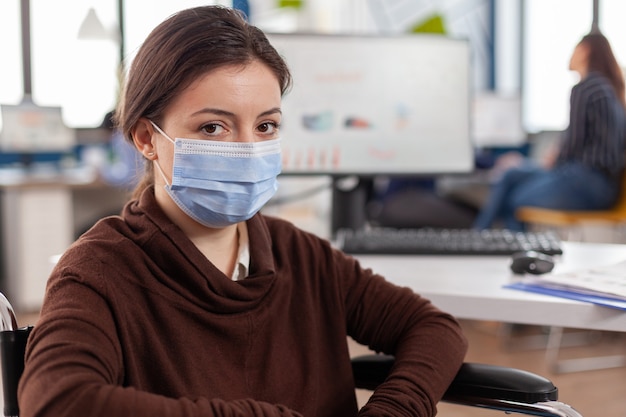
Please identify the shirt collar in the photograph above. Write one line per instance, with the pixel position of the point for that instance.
(242, 265)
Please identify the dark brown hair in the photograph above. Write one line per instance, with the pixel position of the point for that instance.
(183, 48)
(602, 60)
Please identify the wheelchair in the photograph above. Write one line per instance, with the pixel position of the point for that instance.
(493, 387)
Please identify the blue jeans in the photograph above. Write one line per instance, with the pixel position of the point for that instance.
(570, 186)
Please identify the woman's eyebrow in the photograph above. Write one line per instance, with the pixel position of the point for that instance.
(218, 112)
(271, 111)
(221, 112)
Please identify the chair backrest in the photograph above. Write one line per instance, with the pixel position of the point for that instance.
(12, 347)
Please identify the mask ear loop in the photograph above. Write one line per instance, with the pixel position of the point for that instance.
(155, 162)
(161, 131)
(158, 166)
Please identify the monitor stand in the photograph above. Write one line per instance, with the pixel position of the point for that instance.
(349, 201)
(353, 207)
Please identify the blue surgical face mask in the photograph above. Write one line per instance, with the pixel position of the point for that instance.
(222, 183)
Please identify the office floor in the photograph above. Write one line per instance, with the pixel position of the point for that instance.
(591, 393)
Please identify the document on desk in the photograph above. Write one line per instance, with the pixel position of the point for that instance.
(604, 285)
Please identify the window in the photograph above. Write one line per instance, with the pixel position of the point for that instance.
(11, 73)
(79, 75)
(549, 40)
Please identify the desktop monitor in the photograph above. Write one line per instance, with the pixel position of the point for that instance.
(365, 106)
(32, 133)
(371, 105)
(497, 120)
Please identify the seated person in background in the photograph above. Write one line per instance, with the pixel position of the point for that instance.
(191, 302)
(585, 172)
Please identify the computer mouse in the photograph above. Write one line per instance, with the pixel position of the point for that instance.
(531, 262)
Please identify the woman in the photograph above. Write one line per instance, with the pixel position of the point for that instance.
(585, 172)
(194, 304)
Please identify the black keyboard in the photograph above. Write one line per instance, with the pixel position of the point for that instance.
(426, 241)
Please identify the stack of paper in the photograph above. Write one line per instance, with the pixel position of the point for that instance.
(600, 285)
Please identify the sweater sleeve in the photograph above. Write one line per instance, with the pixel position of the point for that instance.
(428, 344)
(74, 367)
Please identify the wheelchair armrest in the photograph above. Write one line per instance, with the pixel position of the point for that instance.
(371, 370)
(500, 382)
(474, 380)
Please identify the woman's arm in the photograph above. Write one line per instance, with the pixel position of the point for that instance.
(428, 344)
(75, 367)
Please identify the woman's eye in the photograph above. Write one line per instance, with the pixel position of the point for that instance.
(212, 129)
(268, 127)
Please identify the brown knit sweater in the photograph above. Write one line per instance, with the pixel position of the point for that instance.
(137, 322)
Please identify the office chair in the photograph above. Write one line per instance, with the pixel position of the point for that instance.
(478, 385)
(573, 220)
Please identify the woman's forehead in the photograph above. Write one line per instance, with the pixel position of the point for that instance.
(231, 87)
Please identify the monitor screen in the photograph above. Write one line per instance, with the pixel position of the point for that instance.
(31, 128)
(369, 105)
(497, 120)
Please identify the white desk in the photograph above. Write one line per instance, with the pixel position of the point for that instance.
(471, 287)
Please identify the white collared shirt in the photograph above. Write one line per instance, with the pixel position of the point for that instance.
(242, 265)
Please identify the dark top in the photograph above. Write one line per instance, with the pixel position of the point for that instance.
(597, 130)
(137, 322)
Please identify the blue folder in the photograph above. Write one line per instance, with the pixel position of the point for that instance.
(572, 294)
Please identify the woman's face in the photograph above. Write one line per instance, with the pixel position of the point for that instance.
(579, 60)
(230, 104)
